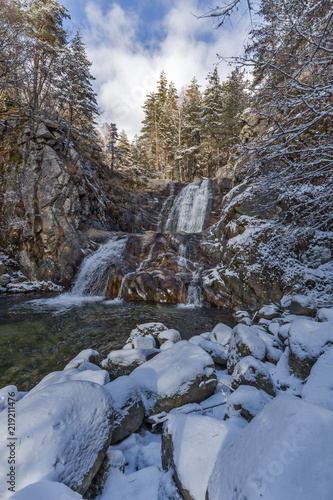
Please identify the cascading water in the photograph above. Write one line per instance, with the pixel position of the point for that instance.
(189, 209)
(95, 269)
(194, 296)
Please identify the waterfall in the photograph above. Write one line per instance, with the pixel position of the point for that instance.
(165, 206)
(96, 268)
(189, 209)
(194, 297)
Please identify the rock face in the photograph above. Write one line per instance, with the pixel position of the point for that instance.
(47, 449)
(290, 448)
(182, 374)
(128, 407)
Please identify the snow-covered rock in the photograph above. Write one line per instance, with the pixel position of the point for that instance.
(221, 333)
(151, 329)
(170, 334)
(245, 341)
(251, 371)
(302, 305)
(147, 342)
(285, 452)
(325, 314)
(124, 361)
(63, 432)
(190, 446)
(307, 341)
(182, 374)
(87, 355)
(166, 345)
(4, 395)
(269, 312)
(46, 490)
(318, 389)
(247, 402)
(218, 352)
(86, 372)
(129, 410)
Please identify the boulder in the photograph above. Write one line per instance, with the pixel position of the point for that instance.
(307, 341)
(183, 374)
(87, 355)
(218, 352)
(251, 371)
(325, 314)
(318, 388)
(147, 342)
(43, 132)
(301, 305)
(245, 341)
(46, 490)
(246, 401)
(124, 361)
(285, 452)
(86, 372)
(269, 312)
(63, 431)
(190, 446)
(152, 329)
(221, 333)
(170, 334)
(128, 407)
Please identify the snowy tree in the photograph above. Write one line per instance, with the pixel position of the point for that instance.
(73, 90)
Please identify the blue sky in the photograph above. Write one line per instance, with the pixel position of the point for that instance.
(130, 43)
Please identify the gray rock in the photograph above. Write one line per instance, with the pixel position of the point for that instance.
(129, 410)
(302, 306)
(251, 371)
(43, 132)
(5, 279)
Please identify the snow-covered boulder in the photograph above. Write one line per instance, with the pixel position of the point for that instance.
(124, 361)
(182, 374)
(12, 389)
(171, 334)
(325, 314)
(218, 352)
(147, 329)
(221, 333)
(129, 410)
(273, 354)
(285, 452)
(251, 371)
(307, 341)
(166, 345)
(46, 490)
(190, 446)
(86, 371)
(247, 402)
(318, 389)
(245, 341)
(299, 305)
(63, 432)
(87, 355)
(269, 312)
(147, 342)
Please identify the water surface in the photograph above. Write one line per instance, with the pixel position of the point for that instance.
(40, 334)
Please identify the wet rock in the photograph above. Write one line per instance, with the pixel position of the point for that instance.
(129, 410)
(251, 371)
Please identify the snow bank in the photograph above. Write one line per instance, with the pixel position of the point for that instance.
(46, 490)
(319, 386)
(285, 452)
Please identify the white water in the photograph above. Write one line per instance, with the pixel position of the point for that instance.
(95, 269)
(189, 209)
(165, 206)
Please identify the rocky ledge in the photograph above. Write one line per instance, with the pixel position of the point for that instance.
(231, 413)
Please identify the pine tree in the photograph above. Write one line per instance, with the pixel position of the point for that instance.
(74, 90)
(191, 129)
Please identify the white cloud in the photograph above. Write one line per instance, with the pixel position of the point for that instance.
(126, 71)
